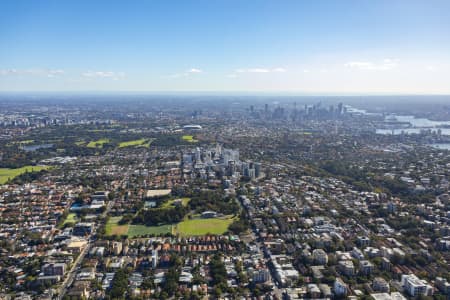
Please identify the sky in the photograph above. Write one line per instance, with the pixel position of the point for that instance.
(300, 47)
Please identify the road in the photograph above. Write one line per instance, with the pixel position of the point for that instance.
(276, 291)
(71, 274)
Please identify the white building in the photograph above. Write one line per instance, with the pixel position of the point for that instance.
(154, 258)
(415, 286)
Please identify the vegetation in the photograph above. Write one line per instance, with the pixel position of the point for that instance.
(70, 219)
(160, 216)
(184, 219)
(239, 225)
(113, 227)
(208, 200)
(170, 203)
(9, 174)
(119, 285)
(170, 285)
(363, 181)
(204, 226)
(189, 138)
(140, 142)
(98, 143)
(168, 140)
(142, 230)
(218, 274)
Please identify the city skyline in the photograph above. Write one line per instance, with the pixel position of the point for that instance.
(322, 47)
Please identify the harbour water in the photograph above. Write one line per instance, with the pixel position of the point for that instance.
(418, 125)
(444, 146)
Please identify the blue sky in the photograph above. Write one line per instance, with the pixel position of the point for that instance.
(303, 47)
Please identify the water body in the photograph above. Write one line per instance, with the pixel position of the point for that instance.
(418, 125)
(444, 146)
(397, 131)
(37, 147)
(357, 111)
(422, 122)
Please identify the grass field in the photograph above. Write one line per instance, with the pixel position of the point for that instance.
(140, 142)
(6, 174)
(204, 226)
(169, 203)
(71, 218)
(140, 230)
(24, 142)
(112, 227)
(188, 227)
(97, 144)
(189, 138)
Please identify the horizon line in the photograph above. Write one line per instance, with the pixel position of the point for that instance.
(219, 93)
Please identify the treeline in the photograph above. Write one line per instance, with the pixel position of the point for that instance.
(240, 225)
(215, 201)
(218, 274)
(200, 201)
(363, 181)
(170, 285)
(28, 177)
(166, 140)
(14, 157)
(119, 285)
(159, 216)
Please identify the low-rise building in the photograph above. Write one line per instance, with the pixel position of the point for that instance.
(415, 286)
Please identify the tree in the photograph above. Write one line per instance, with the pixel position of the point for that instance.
(119, 285)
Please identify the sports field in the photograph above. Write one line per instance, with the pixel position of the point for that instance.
(170, 203)
(24, 142)
(6, 174)
(188, 227)
(189, 138)
(204, 226)
(113, 228)
(141, 230)
(141, 142)
(97, 144)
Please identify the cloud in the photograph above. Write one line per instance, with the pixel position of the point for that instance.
(194, 70)
(261, 70)
(32, 72)
(385, 65)
(191, 71)
(54, 73)
(256, 70)
(279, 70)
(104, 74)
